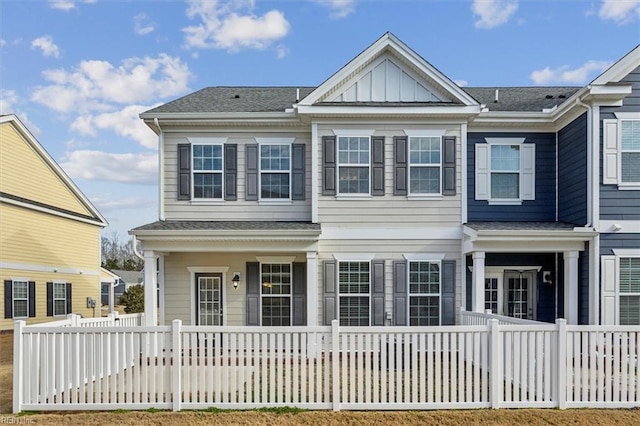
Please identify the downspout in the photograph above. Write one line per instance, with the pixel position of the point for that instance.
(160, 169)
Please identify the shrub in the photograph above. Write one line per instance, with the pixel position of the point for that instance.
(133, 299)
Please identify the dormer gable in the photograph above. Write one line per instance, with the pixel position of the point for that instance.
(388, 72)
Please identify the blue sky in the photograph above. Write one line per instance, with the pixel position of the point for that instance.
(78, 73)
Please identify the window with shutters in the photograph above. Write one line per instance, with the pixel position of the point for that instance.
(354, 161)
(276, 294)
(630, 151)
(275, 171)
(505, 171)
(425, 165)
(59, 298)
(629, 290)
(354, 289)
(20, 298)
(424, 293)
(207, 170)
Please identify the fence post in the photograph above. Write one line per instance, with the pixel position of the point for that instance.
(176, 363)
(18, 365)
(335, 363)
(495, 362)
(561, 364)
(74, 319)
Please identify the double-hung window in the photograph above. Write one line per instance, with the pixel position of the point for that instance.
(276, 294)
(207, 171)
(629, 290)
(354, 161)
(424, 293)
(20, 298)
(354, 285)
(505, 170)
(275, 171)
(425, 165)
(630, 151)
(59, 298)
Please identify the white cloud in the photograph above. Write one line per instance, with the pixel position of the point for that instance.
(3, 42)
(492, 13)
(110, 167)
(142, 25)
(566, 75)
(107, 203)
(66, 5)
(461, 83)
(9, 101)
(98, 85)
(125, 122)
(339, 8)
(620, 11)
(223, 27)
(46, 44)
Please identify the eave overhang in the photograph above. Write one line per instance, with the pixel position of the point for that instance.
(381, 111)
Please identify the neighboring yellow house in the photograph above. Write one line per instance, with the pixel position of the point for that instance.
(49, 235)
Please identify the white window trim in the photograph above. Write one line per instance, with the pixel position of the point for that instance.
(13, 296)
(367, 295)
(410, 295)
(612, 151)
(274, 141)
(614, 293)
(193, 270)
(625, 185)
(54, 298)
(277, 260)
(202, 142)
(410, 166)
(347, 195)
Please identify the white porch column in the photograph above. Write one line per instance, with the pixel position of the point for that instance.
(477, 282)
(150, 289)
(312, 288)
(161, 288)
(571, 287)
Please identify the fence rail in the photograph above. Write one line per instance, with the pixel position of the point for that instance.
(340, 368)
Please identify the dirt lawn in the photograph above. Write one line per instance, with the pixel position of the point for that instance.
(444, 417)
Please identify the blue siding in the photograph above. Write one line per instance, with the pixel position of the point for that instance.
(615, 204)
(572, 172)
(543, 208)
(608, 242)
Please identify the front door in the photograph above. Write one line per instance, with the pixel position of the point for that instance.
(209, 299)
(511, 293)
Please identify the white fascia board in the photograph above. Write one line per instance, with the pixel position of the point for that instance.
(362, 110)
(618, 89)
(522, 246)
(620, 69)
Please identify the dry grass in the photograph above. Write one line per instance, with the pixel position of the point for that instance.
(445, 417)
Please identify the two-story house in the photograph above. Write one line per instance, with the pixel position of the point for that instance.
(389, 195)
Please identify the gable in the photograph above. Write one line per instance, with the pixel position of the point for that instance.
(29, 176)
(388, 80)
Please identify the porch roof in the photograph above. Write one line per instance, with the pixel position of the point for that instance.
(211, 225)
(525, 236)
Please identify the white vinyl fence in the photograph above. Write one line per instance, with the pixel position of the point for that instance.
(338, 368)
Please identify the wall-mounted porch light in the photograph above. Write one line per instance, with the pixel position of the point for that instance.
(236, 279)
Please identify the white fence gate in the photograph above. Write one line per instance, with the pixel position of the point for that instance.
(354, 368)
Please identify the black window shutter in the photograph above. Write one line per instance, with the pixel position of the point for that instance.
(69, 299)
(297, 171)
(328, 165)
(377, 165)
(377, 292)
(448, 293)
(253, 293)
(299, 293)
(400, 292)
(49, 299)
(449, 165)
(8, 299)
(251, 166)
(184, 171)
(230, 172)
(330, 291)
(400, 165)
(32, 299)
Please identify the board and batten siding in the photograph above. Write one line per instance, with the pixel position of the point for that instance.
(298, 210)
(23, 173)
(389, 209)
(616, 204)
(572, 172)
(543, 208)
(388, 250)
(179, 291)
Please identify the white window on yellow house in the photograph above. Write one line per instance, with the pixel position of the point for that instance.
(20, 299)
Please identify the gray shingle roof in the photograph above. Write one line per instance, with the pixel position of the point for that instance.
(521, 226)
(201, 225)
(277, 99)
